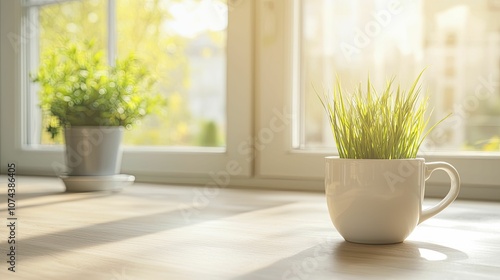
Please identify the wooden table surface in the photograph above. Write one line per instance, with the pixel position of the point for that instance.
(178, 232)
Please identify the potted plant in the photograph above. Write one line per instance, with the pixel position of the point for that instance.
(375, 187)
(93, 103)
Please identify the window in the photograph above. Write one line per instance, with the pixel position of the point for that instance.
(181, 42)
(458, 42)
(201, 67)
(274, 51)
(304, 43)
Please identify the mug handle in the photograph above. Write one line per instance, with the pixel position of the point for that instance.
(452, 193)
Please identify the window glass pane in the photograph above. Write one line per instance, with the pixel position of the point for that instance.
(74, 20)
(182, 43)
(458, 42)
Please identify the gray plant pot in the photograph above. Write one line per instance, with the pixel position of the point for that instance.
(93, 150)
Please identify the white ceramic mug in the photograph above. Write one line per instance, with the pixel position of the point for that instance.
(379, 201)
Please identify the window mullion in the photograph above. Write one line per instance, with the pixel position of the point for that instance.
(112, 36)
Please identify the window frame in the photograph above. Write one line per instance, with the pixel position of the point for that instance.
(480, 176)
(147, 163)
(261, 65)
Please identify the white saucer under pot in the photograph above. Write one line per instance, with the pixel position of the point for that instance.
(96, 183)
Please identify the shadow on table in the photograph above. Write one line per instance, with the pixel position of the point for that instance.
(52, 198)
(70, 240)
(345, 260)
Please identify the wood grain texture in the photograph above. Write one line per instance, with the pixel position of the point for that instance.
(177, 232)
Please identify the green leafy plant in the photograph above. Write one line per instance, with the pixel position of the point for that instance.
(78, 88)
(368, 125)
